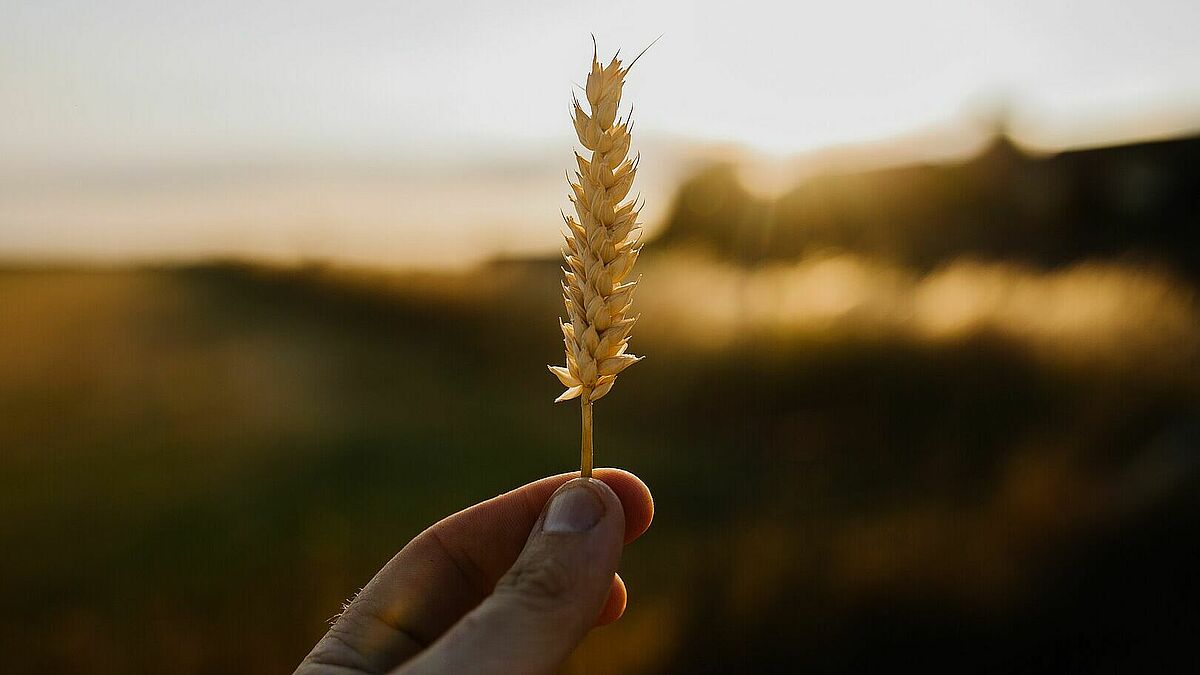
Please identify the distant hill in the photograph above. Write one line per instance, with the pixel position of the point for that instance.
(1140, 200)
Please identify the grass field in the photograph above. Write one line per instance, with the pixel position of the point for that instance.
(199, 463)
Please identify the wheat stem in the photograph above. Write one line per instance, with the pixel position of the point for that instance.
(585, 451)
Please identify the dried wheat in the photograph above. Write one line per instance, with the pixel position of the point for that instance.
(602, 246)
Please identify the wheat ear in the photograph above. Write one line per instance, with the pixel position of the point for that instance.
(602, 245)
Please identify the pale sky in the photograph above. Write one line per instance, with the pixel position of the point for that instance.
(443, 86)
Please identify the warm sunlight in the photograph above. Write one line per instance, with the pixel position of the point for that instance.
(312, 314)
(286, 130)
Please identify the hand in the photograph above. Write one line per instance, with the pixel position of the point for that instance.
(510, 585)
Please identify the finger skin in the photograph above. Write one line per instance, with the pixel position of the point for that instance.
(448, 569)
(543, 606)
(614, 607)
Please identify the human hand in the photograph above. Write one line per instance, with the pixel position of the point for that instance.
(510, 585)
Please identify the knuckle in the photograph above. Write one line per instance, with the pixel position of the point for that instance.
(335, 650)
(543, 581)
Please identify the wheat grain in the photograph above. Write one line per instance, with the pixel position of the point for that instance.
(602, 246)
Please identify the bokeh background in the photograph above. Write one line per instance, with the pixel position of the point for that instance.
(278, 287)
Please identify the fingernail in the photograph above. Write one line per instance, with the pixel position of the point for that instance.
(576, 509)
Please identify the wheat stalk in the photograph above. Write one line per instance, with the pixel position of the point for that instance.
(602, 246)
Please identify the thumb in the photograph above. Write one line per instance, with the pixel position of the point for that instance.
(551, 596)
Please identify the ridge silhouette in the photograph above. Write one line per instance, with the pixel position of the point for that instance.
(1140, 200)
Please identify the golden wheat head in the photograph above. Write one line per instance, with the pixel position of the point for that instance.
(602, 246)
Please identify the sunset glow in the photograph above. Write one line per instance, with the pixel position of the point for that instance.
(309, 129)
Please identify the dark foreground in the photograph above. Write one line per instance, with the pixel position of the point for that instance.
(199, 464)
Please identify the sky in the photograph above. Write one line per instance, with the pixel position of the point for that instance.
(107, 108)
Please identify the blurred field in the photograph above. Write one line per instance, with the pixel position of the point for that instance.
(920, 306)
(975, 450)
(200, 463)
